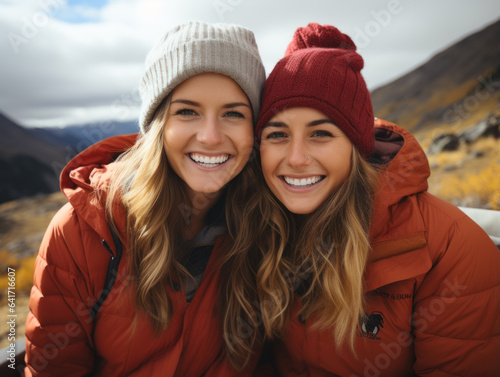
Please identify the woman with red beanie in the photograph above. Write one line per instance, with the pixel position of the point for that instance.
(366, 273)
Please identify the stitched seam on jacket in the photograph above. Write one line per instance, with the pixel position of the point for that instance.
(79, 340)
(55, 295)
(48, 265)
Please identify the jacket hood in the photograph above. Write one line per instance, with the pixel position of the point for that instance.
(398, 231)
(405, 171)
(85, 179)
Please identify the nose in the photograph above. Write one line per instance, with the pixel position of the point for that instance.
(210, 132)
(298, 155)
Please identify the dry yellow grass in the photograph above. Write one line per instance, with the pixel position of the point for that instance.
(23, 222)
(22, 225)
(425, 137)
(441, 99)
(24, 275)
(22, 310)
(479, 189)
(449, 158)
(466, 181)
(487, 145)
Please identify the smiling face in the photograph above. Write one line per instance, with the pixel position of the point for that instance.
(208, 134)
(305, 158)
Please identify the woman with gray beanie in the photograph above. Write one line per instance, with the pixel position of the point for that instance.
(140, 273)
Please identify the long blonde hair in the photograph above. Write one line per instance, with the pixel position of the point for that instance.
(150, 192)
(322, 256)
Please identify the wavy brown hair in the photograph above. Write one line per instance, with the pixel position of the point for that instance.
(321, 256)
(244, 316)
(150, 191)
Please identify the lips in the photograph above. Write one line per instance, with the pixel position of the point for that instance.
(303, 182)
(209, 161)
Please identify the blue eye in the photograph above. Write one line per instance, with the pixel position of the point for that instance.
(185, 112)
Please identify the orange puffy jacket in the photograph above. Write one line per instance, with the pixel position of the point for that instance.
(62, 339)
(432, 286)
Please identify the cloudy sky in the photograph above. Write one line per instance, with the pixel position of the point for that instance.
(73, 61)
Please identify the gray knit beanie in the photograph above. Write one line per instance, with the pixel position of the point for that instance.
(197, 47)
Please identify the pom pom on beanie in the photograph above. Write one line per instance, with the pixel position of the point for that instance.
(323, 36)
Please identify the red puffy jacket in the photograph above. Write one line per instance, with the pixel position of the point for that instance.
(432, 285)
(62, 339)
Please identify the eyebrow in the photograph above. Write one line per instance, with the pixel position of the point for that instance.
(186, 102)
(310, 124)
(236, 104)
(197, 104)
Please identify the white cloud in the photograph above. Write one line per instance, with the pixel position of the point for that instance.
(61, 73)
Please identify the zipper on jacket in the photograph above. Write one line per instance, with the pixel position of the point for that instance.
(111, 273)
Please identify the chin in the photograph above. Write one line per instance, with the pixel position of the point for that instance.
(205, 188)
(301, 210)
(209, 190)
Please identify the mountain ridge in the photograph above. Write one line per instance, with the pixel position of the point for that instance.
(31, 159)
(455, 87)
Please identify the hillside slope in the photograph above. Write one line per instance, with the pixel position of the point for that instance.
(31, 159)
(456, 88)
(28, 164)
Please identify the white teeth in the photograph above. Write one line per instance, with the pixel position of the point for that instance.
(303, 181)
(209, 162)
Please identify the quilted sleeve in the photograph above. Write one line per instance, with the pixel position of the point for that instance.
(59, 326)
(456, 317)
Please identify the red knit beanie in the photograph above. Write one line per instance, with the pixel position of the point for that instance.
(321, 70)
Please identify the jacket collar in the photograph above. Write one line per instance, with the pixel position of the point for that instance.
(85, 180)
(403, 252)
(399, 245)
